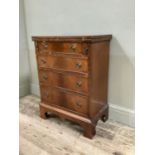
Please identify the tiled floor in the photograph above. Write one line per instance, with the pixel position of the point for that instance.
(56, 137)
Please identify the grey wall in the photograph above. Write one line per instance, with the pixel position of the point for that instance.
(24, 70)
(90, 17)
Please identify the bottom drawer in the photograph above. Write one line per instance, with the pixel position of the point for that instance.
(66, 100)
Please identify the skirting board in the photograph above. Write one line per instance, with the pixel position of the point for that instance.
(122, 115)
(116, 113)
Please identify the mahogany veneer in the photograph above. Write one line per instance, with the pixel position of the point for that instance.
(73, 77)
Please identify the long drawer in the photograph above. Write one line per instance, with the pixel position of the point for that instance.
(61, 98)
(46, 47)
(63, 63)
(67, 81)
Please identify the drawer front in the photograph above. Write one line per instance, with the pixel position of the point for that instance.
(45, 94)
(63, 63)
(44, 61)
(72, 82)
(66, 100)
(45, 47)
(44, 77)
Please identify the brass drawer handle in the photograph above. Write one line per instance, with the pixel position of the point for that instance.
(86, 51)
(79, 83)
(45, 77)
(43, 61)
(78, 65)
(78, 104)
(45, 44)
(73, 47)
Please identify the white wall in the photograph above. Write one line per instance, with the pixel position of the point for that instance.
(24, 73)
(90, 17)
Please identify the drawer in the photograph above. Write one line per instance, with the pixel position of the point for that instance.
(68, 101)
(68, 81)
(44, 77)
(45, 93)
(63, 63)
(45, 47)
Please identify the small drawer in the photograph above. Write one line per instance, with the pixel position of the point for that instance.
(63, 63)
(46, 47)
(67, 81)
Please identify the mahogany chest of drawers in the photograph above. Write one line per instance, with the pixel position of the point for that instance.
(73, 78)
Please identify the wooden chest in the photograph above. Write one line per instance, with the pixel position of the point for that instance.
(73, 78)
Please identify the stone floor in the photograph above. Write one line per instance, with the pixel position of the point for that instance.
(56, 137)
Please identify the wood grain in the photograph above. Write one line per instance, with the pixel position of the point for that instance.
(63, 63)
(73, 77)
(72, 82)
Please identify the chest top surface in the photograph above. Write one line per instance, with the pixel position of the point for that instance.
(91, 39)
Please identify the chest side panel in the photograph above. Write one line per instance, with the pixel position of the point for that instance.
(99, 62)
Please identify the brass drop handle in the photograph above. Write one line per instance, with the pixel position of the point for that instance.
(79, 83)
(73, 47)
(78, 104)
(43, 61)
(86, 51)
(45, 45)
(78, 65)
(45, 77)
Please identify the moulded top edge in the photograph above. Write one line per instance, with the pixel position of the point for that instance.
(93, 38)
